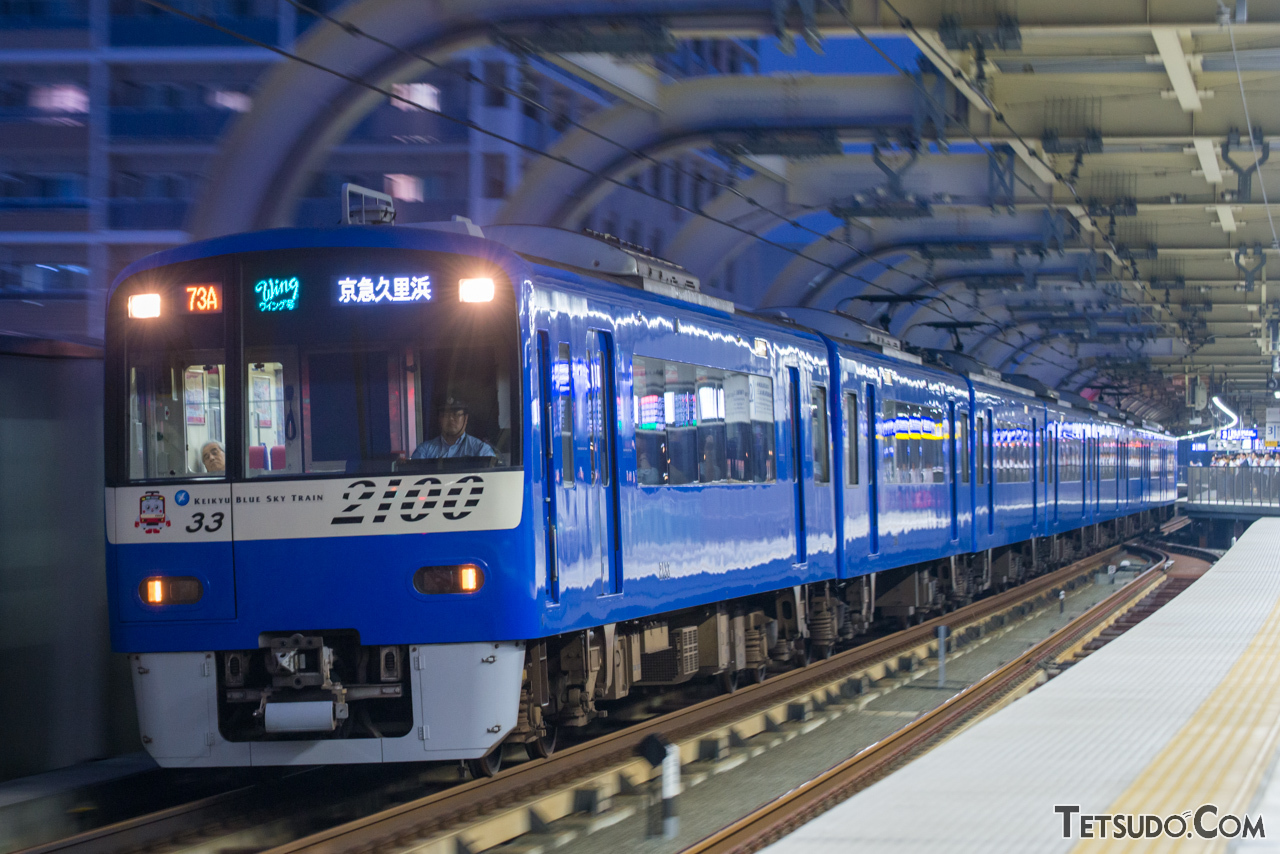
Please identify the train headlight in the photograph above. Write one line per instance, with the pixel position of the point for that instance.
(171, 590)
(475, 290)
(467, 578)
(144, 305)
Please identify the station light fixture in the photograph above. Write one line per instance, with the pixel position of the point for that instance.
(1235, 419)
(475, 290)
(144, 305)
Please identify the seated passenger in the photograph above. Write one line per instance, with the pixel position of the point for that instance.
(453, 440)
(213, 457)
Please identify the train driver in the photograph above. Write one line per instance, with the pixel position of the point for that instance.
(213, 457)
(453, 441)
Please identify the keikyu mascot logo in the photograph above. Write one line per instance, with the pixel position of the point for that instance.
(151, 513)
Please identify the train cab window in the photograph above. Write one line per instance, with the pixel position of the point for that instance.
(174, 373)
(697, 424)
(176, 416)
(818, 426)
(360, 364)
(851, 434)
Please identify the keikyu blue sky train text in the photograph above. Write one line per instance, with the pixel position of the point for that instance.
(398, 493)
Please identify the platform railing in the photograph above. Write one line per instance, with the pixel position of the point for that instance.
(1247, 486)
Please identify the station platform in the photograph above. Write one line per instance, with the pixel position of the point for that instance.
(1179, 716)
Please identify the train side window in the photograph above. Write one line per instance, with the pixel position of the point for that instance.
(935, 435)
(818, 427)
(981, 449)
(1042, 439)
(696, 424)
(962, 424)
(851, 434)
(563, 375)
(898, 421)
(712, 439)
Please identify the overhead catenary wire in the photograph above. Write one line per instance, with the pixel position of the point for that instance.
(996, 113)
(604, 177)
(644, 156)
(640, 154)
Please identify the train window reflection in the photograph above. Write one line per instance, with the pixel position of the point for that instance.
(913, 439)
(697, 424)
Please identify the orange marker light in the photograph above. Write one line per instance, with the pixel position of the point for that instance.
(144, 305)
(171, 590)
(475, 290)
(467, 579)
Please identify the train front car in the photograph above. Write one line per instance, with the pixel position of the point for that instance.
(318, 532)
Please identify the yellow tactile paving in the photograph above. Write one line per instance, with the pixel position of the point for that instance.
(1219, 755)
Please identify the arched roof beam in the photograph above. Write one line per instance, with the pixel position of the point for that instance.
(692, 112)
(807, 282)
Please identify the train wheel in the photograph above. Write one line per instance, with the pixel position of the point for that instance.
(487, 765)
(727, 681)
(544, 745)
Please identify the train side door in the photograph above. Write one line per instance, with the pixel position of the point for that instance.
(873, 468)
(550, 398)
(602, 473)
(795, 410)
(953, 463)
(1036, 469)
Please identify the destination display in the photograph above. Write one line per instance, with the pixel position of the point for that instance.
(204, 298)
(368, 290)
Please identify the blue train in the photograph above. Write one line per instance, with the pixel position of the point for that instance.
(382, 494)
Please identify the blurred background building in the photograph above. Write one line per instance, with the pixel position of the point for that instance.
(111, 110)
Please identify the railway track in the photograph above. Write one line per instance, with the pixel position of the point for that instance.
(482, 814)
(1117, 613)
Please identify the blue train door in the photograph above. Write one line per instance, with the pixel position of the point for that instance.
(953, 460)
(797, 462)
(873, 469)
(549, 398)
(1036, 468)
(602, 443)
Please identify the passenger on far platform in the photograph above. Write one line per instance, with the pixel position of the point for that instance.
(213, 456)
(453, 441)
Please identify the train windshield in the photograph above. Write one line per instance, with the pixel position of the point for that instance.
(370, 361)
(348, 361)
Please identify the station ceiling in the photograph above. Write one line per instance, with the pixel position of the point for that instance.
(1072, 190)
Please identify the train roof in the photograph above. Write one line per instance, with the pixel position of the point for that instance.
(370, 236)
(605, 259)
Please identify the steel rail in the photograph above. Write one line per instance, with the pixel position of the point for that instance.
(439, 811)
(401, 826)
(802, 804)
